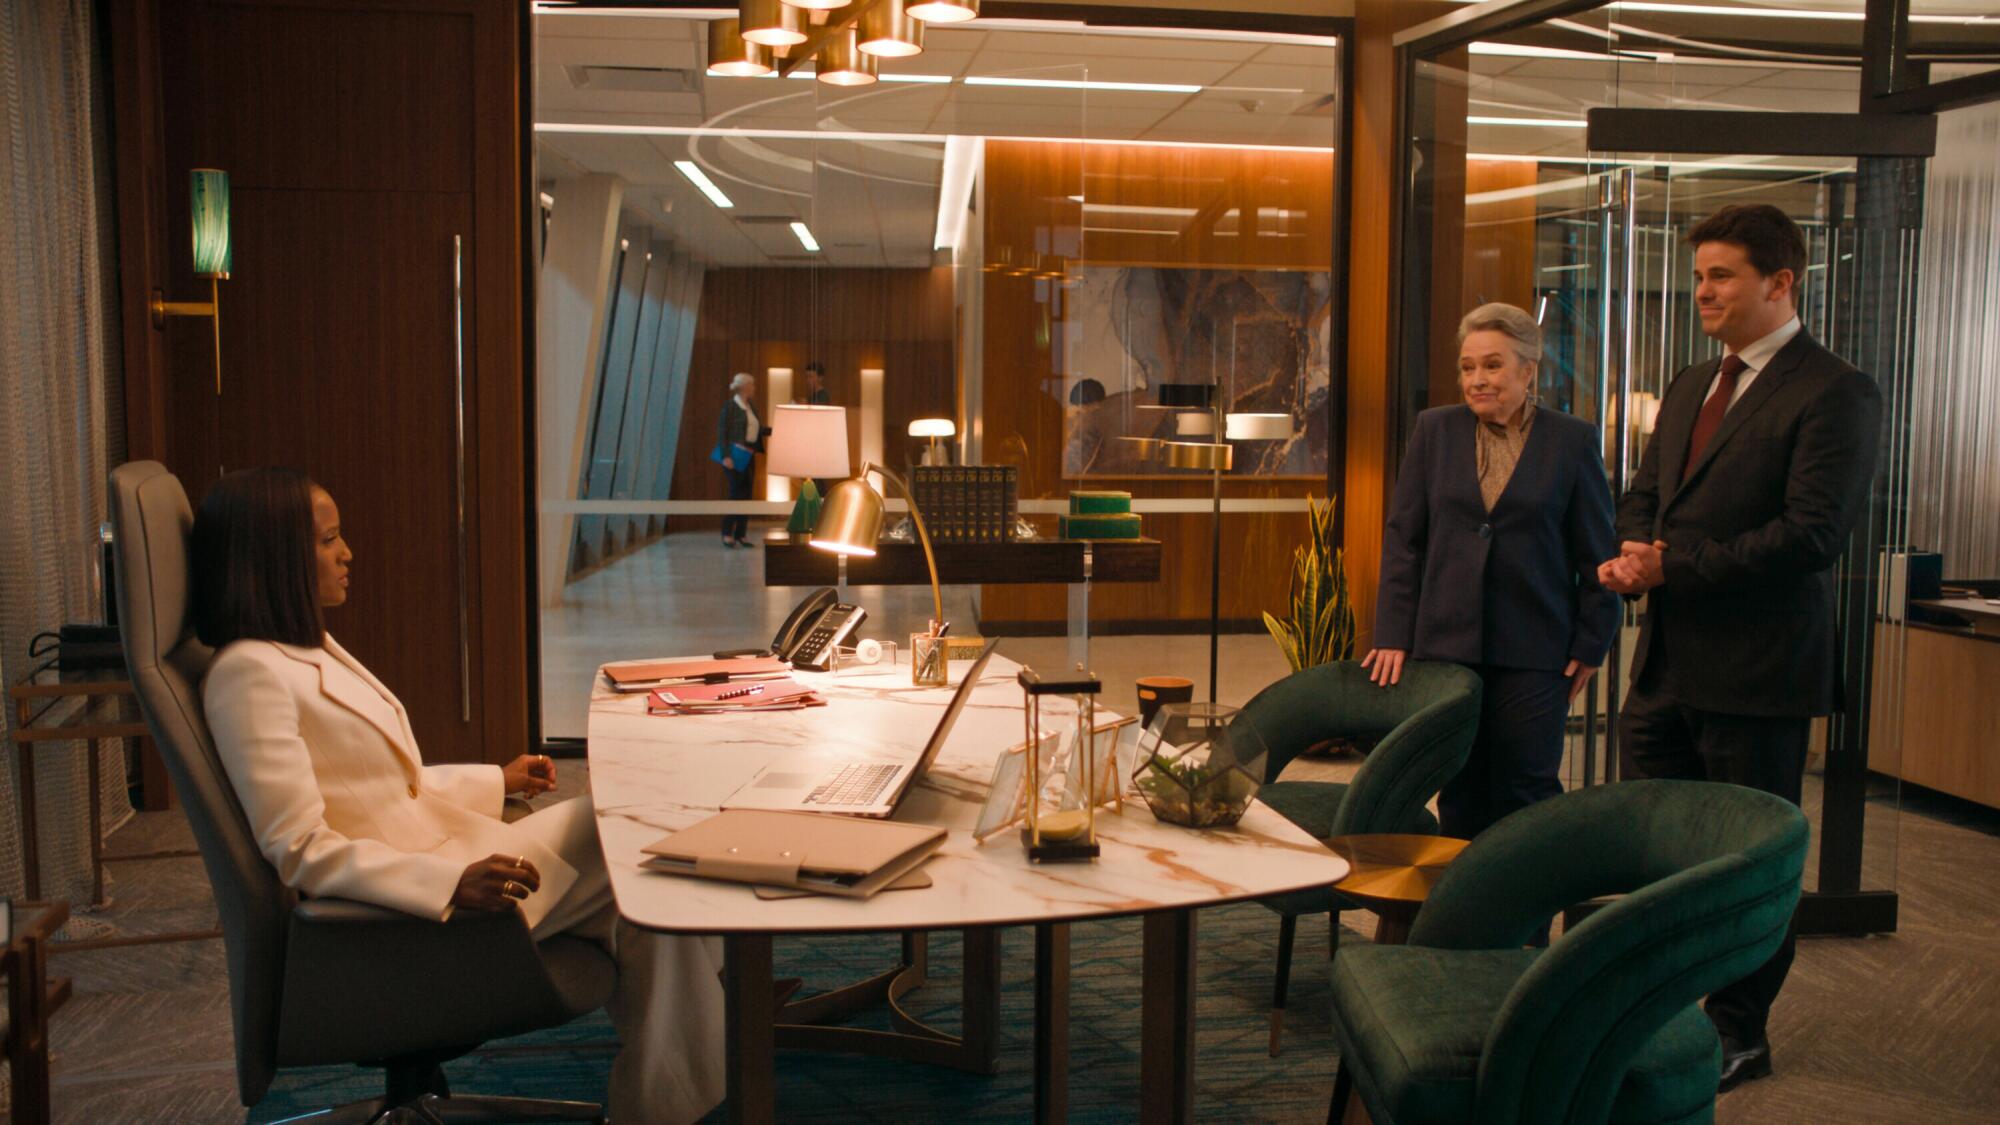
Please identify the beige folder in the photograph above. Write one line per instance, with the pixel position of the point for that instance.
(834, 855)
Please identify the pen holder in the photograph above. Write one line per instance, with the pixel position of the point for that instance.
(929, 664)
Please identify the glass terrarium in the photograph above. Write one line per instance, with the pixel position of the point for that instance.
(1198, 766)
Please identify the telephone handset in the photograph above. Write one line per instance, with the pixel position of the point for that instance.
(816, 625)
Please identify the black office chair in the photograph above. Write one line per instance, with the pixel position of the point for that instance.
(317, 981)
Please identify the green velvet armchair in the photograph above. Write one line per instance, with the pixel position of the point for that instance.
(1425, 725)
(1465, 1025)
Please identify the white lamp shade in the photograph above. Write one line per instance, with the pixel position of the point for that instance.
(933, 427)
(1258, 427)
(808, 441)
(1194, 423)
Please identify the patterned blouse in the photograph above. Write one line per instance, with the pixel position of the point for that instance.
(1498, 451)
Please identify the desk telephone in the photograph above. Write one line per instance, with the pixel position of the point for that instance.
(808, 637)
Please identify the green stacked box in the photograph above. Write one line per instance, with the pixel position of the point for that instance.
(1099, 515)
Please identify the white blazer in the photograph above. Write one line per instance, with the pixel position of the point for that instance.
(327, 769)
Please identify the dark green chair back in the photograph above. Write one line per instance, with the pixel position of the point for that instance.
(1710, 875)
(1425, 724)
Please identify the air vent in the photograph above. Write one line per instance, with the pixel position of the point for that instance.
(632, 79)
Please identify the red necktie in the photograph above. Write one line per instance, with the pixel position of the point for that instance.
(1710, 418)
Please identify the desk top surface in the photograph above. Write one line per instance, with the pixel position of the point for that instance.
(652, 775)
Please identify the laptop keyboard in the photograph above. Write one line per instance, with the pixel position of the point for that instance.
(857, 783)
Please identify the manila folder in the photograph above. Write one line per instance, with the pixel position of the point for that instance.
(808, 851)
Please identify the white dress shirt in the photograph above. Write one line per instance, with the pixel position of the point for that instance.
(1755, 358)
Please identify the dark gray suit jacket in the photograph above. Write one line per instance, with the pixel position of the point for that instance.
(1515, 587)
(1744, 624)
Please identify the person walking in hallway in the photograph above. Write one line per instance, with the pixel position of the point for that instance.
(1489, 559)
(739, 434)
(1758, 468)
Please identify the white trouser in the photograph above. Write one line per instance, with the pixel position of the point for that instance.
(668, 1008)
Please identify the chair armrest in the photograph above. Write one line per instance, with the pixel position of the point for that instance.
(367, 982)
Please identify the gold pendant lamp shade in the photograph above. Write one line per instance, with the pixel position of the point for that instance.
(818, 5)
(732, 56)
(841, 62)
(945, 11)
(771, 23)
(888, 31)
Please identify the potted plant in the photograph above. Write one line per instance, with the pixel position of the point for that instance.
(1320, 626)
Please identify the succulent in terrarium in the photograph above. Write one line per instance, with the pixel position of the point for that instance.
(1199, 767)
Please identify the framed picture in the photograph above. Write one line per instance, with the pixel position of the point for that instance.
(1260, 336)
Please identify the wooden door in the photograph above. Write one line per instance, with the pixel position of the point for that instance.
(373, 149)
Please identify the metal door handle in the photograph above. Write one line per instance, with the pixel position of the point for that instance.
(458, 360)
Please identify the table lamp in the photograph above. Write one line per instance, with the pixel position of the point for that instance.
(934, 429)
(850, 523)
(807, 442)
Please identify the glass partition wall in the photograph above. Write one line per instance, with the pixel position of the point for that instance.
(1504, 200)
(1015, 235)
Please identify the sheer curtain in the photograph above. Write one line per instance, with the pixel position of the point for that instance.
(58, 353)
(1955, 409)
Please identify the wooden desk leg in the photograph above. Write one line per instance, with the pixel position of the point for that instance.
(980, 998)
(750, 1029)
(1166, 1019)
(31, 866)
(1051, 1022)
(96, 826)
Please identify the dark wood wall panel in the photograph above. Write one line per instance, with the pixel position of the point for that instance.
(847, 319)
(360, 139)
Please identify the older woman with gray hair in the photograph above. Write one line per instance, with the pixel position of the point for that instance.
(1489, 559)
(739, 434)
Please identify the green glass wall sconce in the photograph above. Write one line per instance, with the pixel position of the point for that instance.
(208, 204)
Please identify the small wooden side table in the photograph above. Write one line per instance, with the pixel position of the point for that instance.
(57, 705)
(1392, 874)
(31, 999)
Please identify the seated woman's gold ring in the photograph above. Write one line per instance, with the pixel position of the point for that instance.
(508, 888)
(521, 862)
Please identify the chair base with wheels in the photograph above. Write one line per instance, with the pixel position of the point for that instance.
(418, 1094)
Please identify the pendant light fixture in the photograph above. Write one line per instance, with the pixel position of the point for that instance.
(945, 11)
(818, 5)
(732, 56)
(841, 62)
(771, 23)
(887, 31)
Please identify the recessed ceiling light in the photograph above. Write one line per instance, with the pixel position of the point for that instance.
(806, 238)
(700, 179)
(1083, 84)
(1543, 122)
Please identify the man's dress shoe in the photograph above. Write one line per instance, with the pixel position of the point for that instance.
(1742, 1062)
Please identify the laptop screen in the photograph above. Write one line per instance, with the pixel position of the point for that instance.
(943, 730)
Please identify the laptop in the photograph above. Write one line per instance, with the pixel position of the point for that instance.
(867, 787)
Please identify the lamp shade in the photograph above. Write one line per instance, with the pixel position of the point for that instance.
(808, 441)
(1195, 423)
(1201, 455)
(933, 427)
(819, 5)
(850, 521)
(732, 56)
(888, 31)
(945, 11)
(208, 200)
(771, 23)
(1258, 427)
(841, 62)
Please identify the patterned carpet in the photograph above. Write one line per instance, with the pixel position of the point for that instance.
(1236, 1080)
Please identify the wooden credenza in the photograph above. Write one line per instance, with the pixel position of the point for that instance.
(1944, 732)
(371, 333)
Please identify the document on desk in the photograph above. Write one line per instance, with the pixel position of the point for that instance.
(732, 696)
(829, 854)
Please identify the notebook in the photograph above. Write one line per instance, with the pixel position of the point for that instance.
(730, 696)
(866, 787)
(826, 854)
(645, 677)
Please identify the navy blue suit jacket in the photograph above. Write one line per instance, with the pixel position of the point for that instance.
(1515, 587)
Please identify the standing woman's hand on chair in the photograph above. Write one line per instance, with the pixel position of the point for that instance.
(496, 883)
(1385, 665)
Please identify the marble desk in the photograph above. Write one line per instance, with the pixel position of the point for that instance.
(651, 775)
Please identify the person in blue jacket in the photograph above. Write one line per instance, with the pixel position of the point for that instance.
(1500, 518)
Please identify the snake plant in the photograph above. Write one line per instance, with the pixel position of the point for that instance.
(1321, 625)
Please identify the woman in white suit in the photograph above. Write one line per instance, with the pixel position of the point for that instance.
(323, 759)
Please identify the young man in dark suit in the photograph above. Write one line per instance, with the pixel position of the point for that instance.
(1759, 466)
